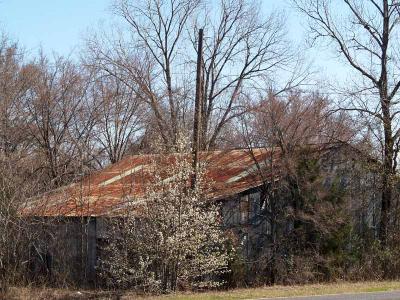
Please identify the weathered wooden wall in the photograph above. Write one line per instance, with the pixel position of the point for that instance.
(64, 250)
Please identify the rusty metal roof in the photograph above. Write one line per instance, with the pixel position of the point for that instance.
(106, 191)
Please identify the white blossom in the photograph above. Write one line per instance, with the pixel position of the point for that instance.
(177, 241)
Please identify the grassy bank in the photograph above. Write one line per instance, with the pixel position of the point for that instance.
(253, 293)
(286, 291)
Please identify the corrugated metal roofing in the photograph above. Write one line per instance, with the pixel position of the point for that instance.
(107, 191)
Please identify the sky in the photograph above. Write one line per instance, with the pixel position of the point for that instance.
(59, 26)
(55, 25)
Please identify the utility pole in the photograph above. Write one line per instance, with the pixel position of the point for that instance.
(197, 108)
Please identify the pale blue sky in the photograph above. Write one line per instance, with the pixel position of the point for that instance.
(60, 25)
(56, 25)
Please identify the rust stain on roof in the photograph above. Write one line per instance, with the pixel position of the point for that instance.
(122, 184)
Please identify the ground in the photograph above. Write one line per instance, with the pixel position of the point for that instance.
(374, 289)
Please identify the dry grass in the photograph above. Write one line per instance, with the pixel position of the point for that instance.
(266, 292)
(284, 291)
(57, 294)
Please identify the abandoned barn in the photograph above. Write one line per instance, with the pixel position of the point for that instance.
(241, 180)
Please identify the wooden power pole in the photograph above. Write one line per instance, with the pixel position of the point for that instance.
(197, 108)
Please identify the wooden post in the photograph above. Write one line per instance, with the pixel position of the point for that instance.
(197, 108)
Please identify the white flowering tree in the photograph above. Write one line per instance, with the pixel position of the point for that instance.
(177, 241)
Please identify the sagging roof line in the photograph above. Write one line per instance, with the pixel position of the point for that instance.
(104, 192)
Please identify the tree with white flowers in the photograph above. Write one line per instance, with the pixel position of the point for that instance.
(176, 241)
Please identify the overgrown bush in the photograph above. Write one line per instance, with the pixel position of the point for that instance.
(14, 234)
(316, 236)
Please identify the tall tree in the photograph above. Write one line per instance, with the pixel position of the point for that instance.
(60, 121)
(14, 83)
(145, 54)
(242, 47)
(365, 34)
(119, 117)
(154, 53)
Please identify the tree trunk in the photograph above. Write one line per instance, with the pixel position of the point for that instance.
(386, 184)
(385, 100)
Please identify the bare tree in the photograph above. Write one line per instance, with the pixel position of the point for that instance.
(242, 48)
(301, 187)
(149, 60)
(60, 122)
(154, 55)
(296, 121)
(14, 83)
(160, 28)
(119, 117)
(14, 148)
(365, 34)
